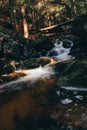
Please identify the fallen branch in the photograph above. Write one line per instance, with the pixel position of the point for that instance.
(56, 26)
(56, 34)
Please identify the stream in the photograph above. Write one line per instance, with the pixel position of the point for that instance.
(30, 102)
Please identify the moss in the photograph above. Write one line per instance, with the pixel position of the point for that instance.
(36, 62)
(74, 74)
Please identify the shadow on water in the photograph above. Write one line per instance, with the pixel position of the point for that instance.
(42, 107)
(21, 109)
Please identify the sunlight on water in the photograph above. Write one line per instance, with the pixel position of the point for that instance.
(16, 106)
(38, 72)
(31, 76)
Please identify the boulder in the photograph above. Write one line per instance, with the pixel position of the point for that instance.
(79, 29)
(43, 45)
(73, 73)
(79, 26)
(30, 52)
(79, 50)
(35, 62)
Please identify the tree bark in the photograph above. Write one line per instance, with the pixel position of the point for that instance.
(56, 26)
(73, 8)
(25, 25)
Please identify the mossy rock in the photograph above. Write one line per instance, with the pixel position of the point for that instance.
(79, 26)
(30, 52)
(79, 50)
(43, 43)
(73, 73)
(72, 38)
(35, 62)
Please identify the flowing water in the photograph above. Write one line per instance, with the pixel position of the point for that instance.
(59, 52)
(30, 77)
(31, 103)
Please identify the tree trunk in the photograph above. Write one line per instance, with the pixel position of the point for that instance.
(14, 19)
(73, 8)
(25, 25)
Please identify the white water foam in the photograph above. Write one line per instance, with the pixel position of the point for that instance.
(80, 97)
(66, 101)
(61, 52)
(30, 76)
(74, 88)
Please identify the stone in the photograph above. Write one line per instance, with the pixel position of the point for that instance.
(72, 73)
(79, 26)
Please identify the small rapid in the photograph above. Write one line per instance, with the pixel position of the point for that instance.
(30, 77)
(58, 54)
(59, 51)
(31, 96)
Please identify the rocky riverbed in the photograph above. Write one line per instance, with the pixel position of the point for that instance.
(43, 82)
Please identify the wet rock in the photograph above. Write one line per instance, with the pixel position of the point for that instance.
(43, 52)
(67, 43)
(10, 48)
(17, 50)
(79, 50)
(9, 68)
(72, 38)
(2, 63)
(38, 47)
(36, 62)
(14, 50)
(78, 46)
(53, 53)
(79, 27)
(43, 43)
(30, 52)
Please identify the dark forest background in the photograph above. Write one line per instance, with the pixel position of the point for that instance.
(29, 16)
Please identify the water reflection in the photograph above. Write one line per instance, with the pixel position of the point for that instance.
(17, 106)
(43, 107)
